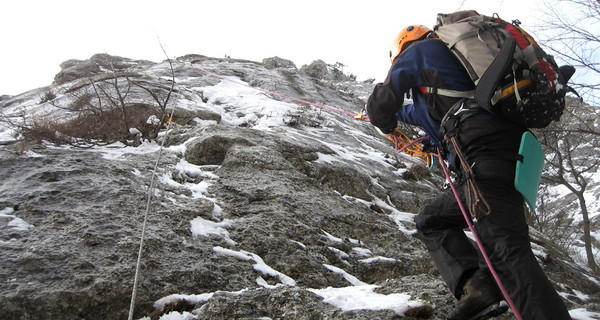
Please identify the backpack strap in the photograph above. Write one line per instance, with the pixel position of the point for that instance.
(447, 92)
(462, 109)
(493, 75)
(507, 91)
(462, 37)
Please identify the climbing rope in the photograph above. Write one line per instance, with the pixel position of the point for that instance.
(271, 92)
(401, 141)
(477, 202)
(150, 192)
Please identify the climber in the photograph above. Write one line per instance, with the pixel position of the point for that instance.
(422, 64)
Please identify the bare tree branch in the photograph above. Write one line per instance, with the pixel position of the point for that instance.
(568, 144)
(570, 29)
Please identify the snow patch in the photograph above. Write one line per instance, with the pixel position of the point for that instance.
(206, 228)
(362, 297)
(332, 238)
(583, 314)
(378, 259)
(350, 278)
(259, 264)
(15, 223)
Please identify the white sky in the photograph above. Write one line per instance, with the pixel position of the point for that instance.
(39, 35)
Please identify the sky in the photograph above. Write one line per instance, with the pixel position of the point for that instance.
(37, 36)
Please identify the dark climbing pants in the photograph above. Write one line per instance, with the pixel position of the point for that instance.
(504, 234)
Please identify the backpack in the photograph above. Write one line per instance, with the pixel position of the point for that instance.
(514, 77)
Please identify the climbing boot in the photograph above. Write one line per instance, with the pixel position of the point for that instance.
(480, 299)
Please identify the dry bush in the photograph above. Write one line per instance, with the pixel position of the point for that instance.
(91, 128)
(103, 108)
(305, 117)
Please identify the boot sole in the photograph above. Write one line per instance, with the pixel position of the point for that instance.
(491, 311)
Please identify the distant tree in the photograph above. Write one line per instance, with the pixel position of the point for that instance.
(570, 29)
(568, 145)
(554, 222)
(340, 66)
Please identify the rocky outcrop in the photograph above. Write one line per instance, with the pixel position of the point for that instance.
(260, 205)
(277, 62)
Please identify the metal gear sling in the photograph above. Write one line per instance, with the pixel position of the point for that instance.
(463, 109)
(529, 160)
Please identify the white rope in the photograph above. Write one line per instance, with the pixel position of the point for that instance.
(148, 202)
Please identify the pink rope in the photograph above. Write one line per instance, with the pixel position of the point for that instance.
(409, 145)
(272, 93)
(478, 241)
(298, 100)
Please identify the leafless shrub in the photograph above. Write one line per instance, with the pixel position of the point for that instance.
(570, 145)
(101, 110)
(90, 129)
(306, 117)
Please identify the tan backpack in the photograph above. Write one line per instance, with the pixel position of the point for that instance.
(514, 77)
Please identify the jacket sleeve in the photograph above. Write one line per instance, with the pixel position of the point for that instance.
(387, 97)
(382, 107)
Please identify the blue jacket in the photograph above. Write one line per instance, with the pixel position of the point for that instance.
(425, 63)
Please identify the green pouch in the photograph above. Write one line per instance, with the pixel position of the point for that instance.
(529, 170)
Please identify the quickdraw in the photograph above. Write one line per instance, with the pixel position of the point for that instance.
(402, 143)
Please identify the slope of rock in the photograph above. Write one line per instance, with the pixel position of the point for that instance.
(262, 207)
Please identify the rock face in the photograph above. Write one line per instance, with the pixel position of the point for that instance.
(321, 70)
(276, 62)
(259, 205)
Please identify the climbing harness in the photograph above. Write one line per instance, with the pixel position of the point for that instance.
(461, 110)
(478, 240)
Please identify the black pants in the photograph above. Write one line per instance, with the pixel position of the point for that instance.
(504, 234)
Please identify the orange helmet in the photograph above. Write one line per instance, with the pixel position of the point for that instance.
(406, 36)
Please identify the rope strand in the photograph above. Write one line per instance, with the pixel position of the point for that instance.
(273, 93)
(402, 144)
(476, 200)
(148, 203)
